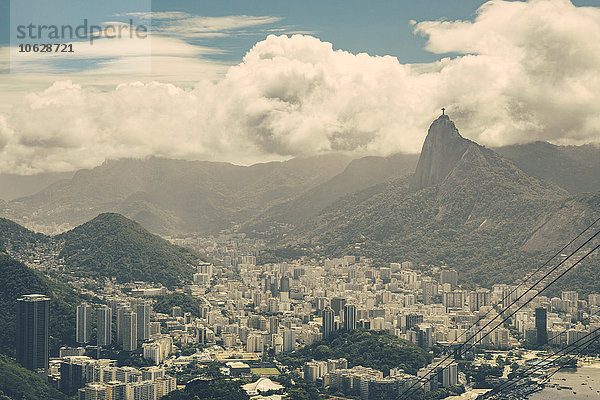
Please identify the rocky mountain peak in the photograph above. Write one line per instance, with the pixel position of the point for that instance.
(442, 149)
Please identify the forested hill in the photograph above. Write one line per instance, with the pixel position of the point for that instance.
(16, 279)
(111, 245)
(17, 382)
(374, 349)
(15, 236)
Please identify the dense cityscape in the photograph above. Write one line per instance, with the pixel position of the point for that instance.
(300, 200)
(250, 323)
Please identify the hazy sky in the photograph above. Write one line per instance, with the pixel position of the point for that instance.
(247, 81)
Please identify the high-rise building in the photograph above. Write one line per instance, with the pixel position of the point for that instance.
(33, 314)
(407, 322)
(479, 298)
(541, 317)
(84, 323)
(71, 376)
(273, 324)
(284, 284)
(143, 321)
(129, 330)
(328, 322)
(429, 289)
(449, 276)
(289, 340)
(349, 317)
(104, 323)
(255, 343)
(337, 305)
(120, 320)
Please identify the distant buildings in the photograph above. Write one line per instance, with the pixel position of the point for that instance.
(101, 379)
(159, 349)
(289, 340)
(33, 315)
(439, 374)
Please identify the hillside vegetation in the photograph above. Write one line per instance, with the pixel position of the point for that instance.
(17, 237)
(111, 245)
(19, 383)
(374, 349)
(16, 279)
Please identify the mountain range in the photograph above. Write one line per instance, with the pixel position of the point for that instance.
(490, 213)
(171, 197)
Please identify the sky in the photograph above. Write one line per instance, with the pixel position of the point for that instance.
(254, 81)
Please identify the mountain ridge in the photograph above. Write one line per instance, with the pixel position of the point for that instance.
(171, 197)
(191, 196)
(480, 218)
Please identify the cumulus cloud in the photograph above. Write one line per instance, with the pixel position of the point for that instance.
(522, 72)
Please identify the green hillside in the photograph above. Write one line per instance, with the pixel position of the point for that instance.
(19, 383)
(15, 236)
(16, 279)
(374, 349)
(111, 245)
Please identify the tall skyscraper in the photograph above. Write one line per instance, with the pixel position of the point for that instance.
(104, 317)
(33, 315)
(337, 305)
(284, 284)
(83, 329)
(289, 340)
(328, 322)
(143, 321)
(120, 321)
(274, 324)
(429, 289)
(129, 330)
(349, 317)
(284, 289)
(541, 317)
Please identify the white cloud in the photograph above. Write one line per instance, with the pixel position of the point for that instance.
(180, 24)
(526, 71)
